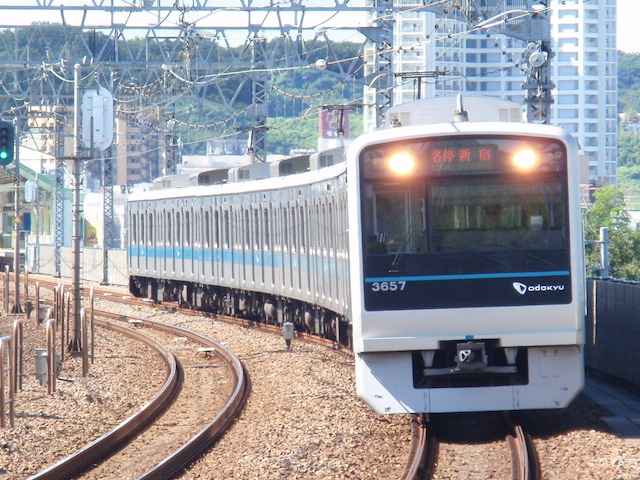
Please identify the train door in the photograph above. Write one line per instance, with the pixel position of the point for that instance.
(134, 241)
(343, 259)
(303, 266)
(186, 243)
(205, 257)
(159, 248)
(226, 247)
(258, 259)
(308, 250)
(153, 242)
(276, 243)
(314, 253)
(331, 258)
(286, 258)
(178, 247)
(295, 251)
(267, 247)
(216, 253)
(169, 252)
(197, 240)
(143, 243)
(324, 272)
(243, 240)
(236, 244)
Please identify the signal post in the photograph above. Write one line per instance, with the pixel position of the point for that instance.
(9, 152)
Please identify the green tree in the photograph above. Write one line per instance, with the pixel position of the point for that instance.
(628, 148)
(609, 210)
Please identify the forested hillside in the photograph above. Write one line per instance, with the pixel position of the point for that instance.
(629, 141)
(629, 82)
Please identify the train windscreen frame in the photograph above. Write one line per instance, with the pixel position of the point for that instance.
(465, 221)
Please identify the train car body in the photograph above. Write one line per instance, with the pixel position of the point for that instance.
(449, 257)
(467, 269)
(273, 248)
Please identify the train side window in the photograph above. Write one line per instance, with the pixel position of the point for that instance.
(207, 229)
(256, 229)
(247, 230)
(265, 229)
(317, 228)
(178, 229)
(226, 230)
(168, 230)
(134, 229)
(187, 227)
(330, 227)
(150, 239)
(294, 229)
(323, 222)
(142, 230)
(236, 228)
(303, 230)
(285, 230)
(216, 229)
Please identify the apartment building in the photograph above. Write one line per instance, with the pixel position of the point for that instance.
(435, 56)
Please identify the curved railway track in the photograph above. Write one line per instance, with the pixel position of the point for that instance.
(128, 429)
(423, 457)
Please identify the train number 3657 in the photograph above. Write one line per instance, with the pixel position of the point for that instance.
(388, 286)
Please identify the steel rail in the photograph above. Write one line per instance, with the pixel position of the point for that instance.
(188, 451)
(523, 456)
(128, 427)
(422, 450)
(219, 423)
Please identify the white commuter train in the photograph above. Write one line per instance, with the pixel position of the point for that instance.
(449, 257)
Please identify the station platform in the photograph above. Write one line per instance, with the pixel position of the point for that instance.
(623, 405)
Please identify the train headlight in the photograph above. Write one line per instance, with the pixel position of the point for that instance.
(401, 163)
(525, 159)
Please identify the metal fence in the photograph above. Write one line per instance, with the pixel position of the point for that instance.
(91, 269)
(613, 329)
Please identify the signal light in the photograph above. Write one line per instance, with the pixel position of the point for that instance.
(7, 143)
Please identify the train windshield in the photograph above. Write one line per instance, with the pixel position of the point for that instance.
(478, 213)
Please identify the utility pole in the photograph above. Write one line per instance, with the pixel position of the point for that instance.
(16, 228)
(75, 345)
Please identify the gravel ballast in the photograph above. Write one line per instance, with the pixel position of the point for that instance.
(302, 419)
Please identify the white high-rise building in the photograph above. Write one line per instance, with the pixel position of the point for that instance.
(436, 57)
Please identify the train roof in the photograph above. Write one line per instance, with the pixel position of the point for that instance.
(273, 183)
(462, 128)
(429, 111)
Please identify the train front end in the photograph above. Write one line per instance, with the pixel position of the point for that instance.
(467, 268)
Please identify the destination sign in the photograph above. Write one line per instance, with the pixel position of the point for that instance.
(470, 158)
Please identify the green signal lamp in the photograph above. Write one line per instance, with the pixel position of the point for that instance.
(7, 143)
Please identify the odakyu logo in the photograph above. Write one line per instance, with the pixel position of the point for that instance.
(523, 289)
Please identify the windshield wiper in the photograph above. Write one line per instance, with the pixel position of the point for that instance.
(396, 260)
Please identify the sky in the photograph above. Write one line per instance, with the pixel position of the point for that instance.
(628, 37)
(628, 15)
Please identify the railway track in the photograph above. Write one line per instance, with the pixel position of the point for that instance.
(123, 438)
(469, 446)
(425, 445)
